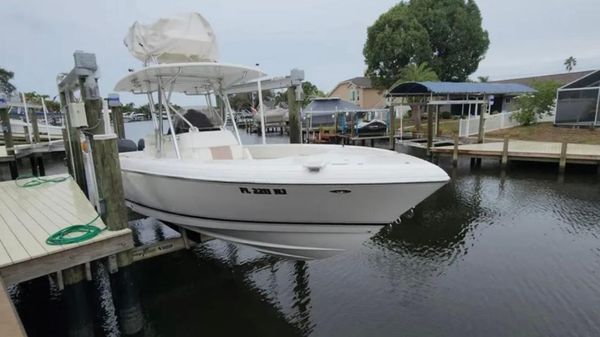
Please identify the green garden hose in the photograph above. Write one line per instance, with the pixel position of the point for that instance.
(82, 232)
(71, 234)
(36, 181)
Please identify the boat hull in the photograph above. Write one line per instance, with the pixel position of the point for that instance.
(301, 221)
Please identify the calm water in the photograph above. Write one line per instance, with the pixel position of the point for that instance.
(486, 255)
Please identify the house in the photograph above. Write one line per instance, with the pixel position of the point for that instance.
(359, 91)
(578, 98)
(562, 79)
(578, 102)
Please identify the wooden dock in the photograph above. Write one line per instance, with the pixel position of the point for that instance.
(24, 150)
(506, 150)
(27, 217)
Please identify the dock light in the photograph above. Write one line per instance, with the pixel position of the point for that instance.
(113, 100)
(3, 103)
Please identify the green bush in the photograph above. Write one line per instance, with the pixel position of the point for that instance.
(531, 106)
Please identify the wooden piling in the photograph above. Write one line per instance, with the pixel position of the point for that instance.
(34, 126)
(429, 130)
(504, 160)
(110, 189)
(108, 177)
(392, 128)
(8, 141)
(78, 309)
(65, 134)
(455, 151)
(562, 164)
(481, 132)
(117, 115)
(73, 143)
(294, 118)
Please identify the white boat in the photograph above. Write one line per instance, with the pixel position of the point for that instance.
(298, 201)
(275, 115)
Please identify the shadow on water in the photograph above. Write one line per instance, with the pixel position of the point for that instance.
(199, 294)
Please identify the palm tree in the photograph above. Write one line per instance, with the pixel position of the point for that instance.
(416, 73)
(570, 63)
(483, 79)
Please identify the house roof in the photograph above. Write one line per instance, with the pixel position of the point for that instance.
(590, 80)
(562, 79)
(328, 105)
(419, 88)
(360, 82)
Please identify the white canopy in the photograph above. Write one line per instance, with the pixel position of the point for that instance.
(188, 78)
(185, 38)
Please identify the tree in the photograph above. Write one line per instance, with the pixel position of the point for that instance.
(128, 108)
(483, 79)
(570, 63)
(532, 106)
(5, 77)
(445, 33)
(310, 92)
(416, 73)
(393, 41)
(36, 98)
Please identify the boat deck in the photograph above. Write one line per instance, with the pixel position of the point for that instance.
(29, 215)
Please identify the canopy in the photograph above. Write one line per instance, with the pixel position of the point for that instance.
(185, 38)
(420, 88)
(329, 105)
(188, 78)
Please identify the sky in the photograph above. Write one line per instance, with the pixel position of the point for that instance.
(325, 38)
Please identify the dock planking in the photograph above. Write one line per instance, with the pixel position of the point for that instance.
(528, 150)
(29, 215)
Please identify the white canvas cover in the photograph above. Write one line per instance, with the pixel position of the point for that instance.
(185, 38)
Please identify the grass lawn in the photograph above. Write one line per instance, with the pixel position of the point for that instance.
(546, 132)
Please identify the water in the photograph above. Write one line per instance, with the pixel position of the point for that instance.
(487, 255)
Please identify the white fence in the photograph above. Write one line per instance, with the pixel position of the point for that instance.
(470, 126)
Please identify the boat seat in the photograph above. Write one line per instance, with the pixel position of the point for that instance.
(221, 152)
(225, 152)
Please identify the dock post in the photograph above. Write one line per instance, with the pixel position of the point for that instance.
(294, 118)
(482, 121)
(33, 164)
(78, 309)
(73, 144)
(392, 128)
(504, 161)
(429, 130)
(117, 115)
(562, 163)
(8, 141)
(455, 151)
(34, 126)
(93, 105)
(33, 159)
(110, 187)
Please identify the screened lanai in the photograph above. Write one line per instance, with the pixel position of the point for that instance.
(577, 103)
